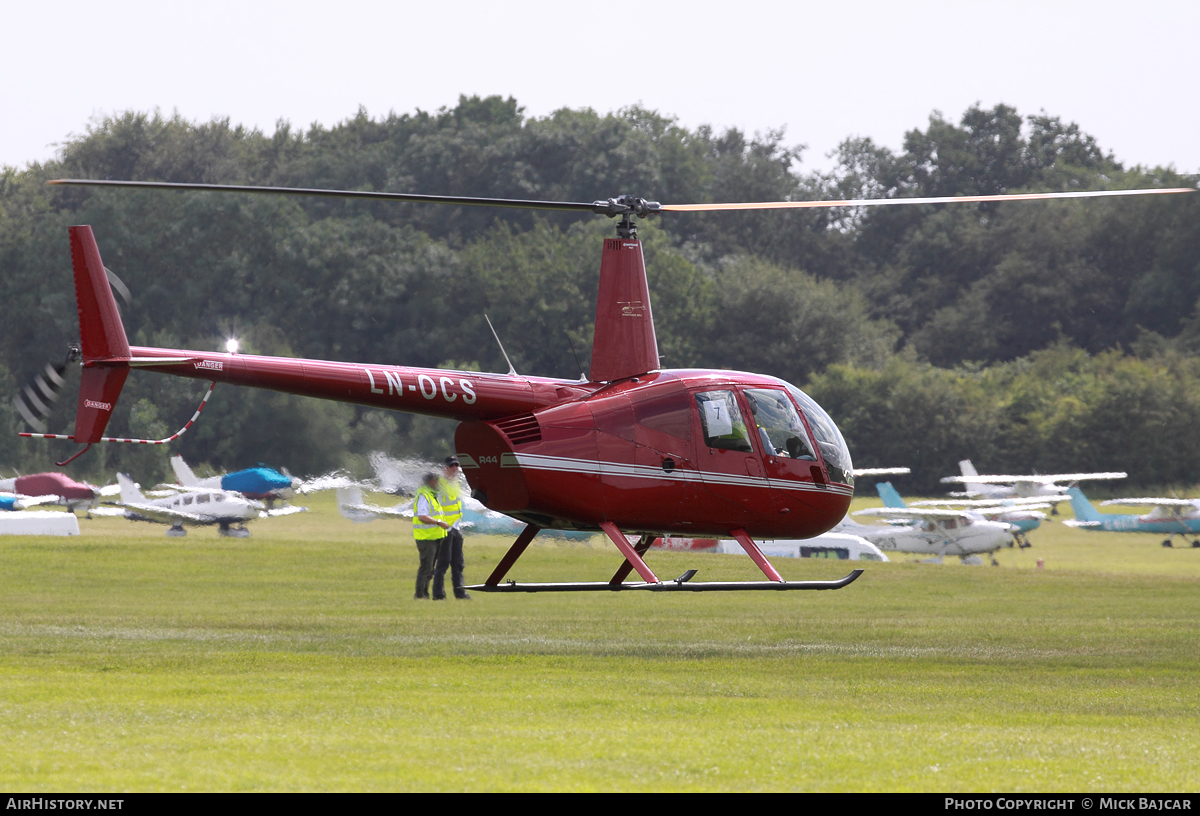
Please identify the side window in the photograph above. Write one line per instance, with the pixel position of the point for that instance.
(722, 422)
(664, 410)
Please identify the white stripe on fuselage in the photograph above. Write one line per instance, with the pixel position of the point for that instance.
(562, 464)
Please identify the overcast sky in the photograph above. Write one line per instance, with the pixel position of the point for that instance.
(1126, 72)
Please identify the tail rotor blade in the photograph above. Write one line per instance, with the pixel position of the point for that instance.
(38, 399)
(118, 286)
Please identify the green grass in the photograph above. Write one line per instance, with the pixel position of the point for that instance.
(296, 660)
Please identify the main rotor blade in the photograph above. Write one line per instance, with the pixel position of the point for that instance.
(883, 202)
(625, 205)
(570, 206)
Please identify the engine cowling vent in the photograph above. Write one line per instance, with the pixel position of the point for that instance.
(521, 429)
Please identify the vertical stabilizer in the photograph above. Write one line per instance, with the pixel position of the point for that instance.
(183, 473)
(1083, 509)
(624, 344)
(129, 491)
(891, 498)
(973, 488)
(101, 335)
(102, 339)
(351, 506)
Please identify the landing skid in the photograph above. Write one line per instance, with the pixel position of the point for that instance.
(650, 582)
(681, 584)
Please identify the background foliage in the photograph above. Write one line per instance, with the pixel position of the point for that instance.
(1044, 335)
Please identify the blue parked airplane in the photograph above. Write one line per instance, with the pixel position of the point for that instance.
(262, 483)
(1175, 517)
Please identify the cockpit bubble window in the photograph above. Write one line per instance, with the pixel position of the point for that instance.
(722, 421)
(829, 438)
(779, 426)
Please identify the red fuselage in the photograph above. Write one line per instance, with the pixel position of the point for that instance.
(568, 454)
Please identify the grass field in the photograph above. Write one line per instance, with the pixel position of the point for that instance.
(297, 660)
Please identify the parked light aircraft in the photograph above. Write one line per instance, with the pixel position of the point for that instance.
(263, 483)
(52, 488)
(1175, 517)
(1004, 487)
(929, 531)
(1023, 514)
(199, 507)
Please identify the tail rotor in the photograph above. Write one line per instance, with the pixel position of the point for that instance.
(37, 401)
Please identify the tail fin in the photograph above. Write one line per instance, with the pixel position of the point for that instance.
(350, 505)
(624, 344)
(890, 497)
(183, 473)
(971, 488)
(1084, 511)
(129, 491)
(102, 339)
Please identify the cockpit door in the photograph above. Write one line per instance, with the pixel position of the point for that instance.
(731, 468)
(789, 453)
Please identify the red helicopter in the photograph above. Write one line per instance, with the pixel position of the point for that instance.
(634, 449)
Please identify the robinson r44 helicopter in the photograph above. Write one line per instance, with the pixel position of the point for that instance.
(634, 449)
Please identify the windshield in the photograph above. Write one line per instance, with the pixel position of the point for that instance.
(779, 426)
(829, 438)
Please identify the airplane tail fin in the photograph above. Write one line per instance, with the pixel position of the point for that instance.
(971, 488)
(183, 473)
(1084, 511)
(129, 491)
(103, 344)
(891, 498)
(351, 505)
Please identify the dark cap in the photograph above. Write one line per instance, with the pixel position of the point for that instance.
(451, 461)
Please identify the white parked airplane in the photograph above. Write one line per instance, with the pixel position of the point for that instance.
(1025, 515)
(199, 507)
(928, 531)
(1006, 486)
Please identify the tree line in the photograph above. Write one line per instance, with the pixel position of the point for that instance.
(947, 319)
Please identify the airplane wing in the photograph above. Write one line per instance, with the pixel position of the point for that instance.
(330, 481)
(282, 511)
(897, 471)
(1033, 502)
(167, 514)
(1152, 503)
(34, 501)
(1047, 479)
(911, 512)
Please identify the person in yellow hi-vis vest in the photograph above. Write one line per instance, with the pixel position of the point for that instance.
(450, 553)
(429, 529)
